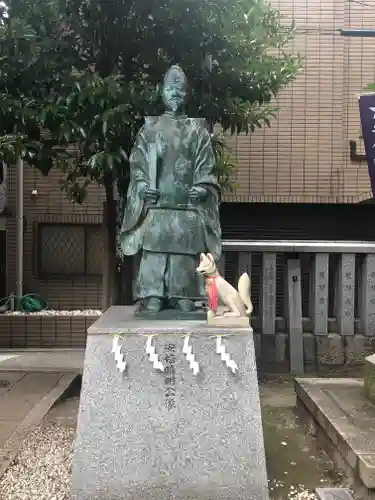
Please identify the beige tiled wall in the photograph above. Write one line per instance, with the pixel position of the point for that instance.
(304, 156)
(50, 205)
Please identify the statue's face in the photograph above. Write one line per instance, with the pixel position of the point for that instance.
(174, 96)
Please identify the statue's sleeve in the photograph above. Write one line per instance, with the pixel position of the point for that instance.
(204, 165)
(204, 175)
(130, 235)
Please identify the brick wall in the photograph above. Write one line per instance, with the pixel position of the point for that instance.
(63, 332)
(50, 205)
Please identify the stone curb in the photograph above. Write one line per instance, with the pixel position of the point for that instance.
(12, 446)
(42, 360)
(333, 494)
(45, 369)
(370, 378)
(353, 445)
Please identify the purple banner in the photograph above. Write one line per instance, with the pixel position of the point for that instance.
(367, 113)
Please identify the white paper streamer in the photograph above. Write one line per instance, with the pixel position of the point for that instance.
(188, 350)
(153, 357)
(119, 356)
(221, 349)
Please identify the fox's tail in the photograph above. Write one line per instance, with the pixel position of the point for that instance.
(244, 291)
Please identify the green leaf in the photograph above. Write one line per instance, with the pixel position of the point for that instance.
(89, 87)
(123, 155)
(105, 127)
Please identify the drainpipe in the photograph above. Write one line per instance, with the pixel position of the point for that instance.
(362, 33)
(19, 232)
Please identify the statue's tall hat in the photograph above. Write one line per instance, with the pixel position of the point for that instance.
(175, 76)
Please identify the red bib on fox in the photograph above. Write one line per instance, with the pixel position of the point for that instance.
(211, 291)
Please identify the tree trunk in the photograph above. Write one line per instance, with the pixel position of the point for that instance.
(110, 258)
(127, 276)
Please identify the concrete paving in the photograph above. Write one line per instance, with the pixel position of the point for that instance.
(295, 464)
(25, 399)
(333, 494)
(346, 420)
(48, 360)
(370, 378)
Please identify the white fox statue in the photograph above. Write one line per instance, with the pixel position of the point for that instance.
(238, 301)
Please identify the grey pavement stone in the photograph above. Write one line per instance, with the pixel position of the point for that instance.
(330, 349)
(333, 494)
(23, 396)
(309, 348)
(65, 412)
(357, 347)
(340, 410)
(36, 394)
(145, 434)
(43, 360)
(9, 380)
(274, 348)
(370, 378)
(7, 427)
(366, 469)
(121, 320)
(281, 344)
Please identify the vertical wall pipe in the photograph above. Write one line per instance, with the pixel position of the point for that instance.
(19, 232)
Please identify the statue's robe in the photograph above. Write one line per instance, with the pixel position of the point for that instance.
(172, 232)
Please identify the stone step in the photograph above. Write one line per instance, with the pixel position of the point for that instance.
(370, 378)
(333, 494)
(345, 420)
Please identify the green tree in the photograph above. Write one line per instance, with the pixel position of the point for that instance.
(114, 56)
(36, 59)
(234, 54)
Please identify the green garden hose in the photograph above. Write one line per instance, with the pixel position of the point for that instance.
(27, 303)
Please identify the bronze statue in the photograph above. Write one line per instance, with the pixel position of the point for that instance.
(172, 211)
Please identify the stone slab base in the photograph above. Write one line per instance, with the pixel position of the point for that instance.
(167, 433)
(346, 420)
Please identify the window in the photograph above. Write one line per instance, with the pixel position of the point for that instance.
(69, 250)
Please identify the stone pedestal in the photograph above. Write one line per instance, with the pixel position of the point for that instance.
(148, 434)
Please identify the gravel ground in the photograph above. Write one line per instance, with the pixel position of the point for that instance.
(42, 469)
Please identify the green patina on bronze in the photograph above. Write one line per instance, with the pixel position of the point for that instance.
(172, 211)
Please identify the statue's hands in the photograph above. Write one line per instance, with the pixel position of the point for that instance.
(198, 193)
(150, 195)
(161, 146)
